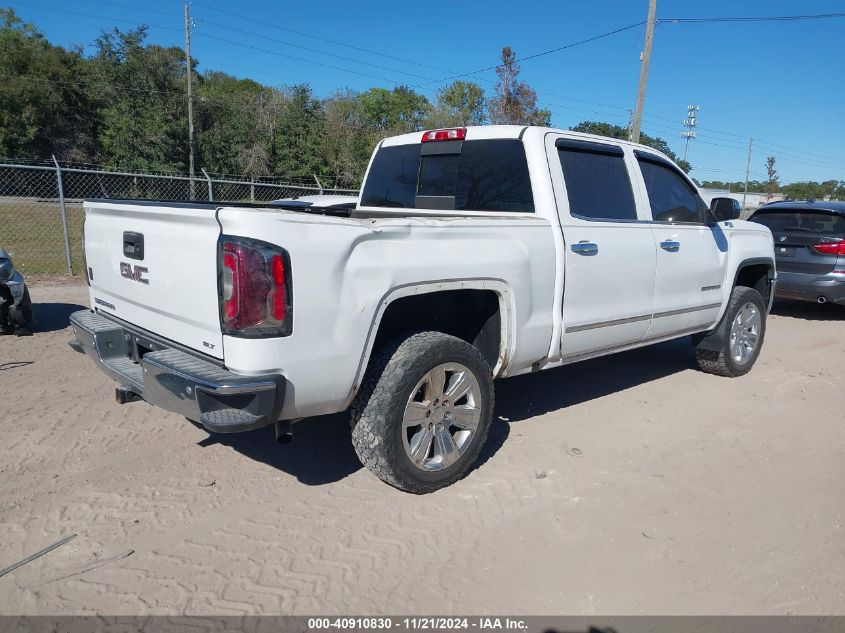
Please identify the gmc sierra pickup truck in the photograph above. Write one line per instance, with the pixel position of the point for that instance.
(472, 254)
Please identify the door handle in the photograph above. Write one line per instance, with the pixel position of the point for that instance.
(585, 248)
(670, 246)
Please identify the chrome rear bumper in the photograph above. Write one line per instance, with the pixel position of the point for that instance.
(176, 380)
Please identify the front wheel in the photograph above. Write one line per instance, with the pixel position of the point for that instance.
(423, 412)
(746, 328)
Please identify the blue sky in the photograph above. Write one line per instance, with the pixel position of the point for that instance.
(778, 82)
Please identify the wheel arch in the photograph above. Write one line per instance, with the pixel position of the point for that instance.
(758, 273)
(494, 336)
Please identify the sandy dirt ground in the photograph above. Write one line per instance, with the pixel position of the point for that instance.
(632, 484)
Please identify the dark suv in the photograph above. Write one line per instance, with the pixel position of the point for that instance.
(810, 249)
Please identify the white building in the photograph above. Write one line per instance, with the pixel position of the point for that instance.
(753, 201)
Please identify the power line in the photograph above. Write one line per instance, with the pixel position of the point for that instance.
(797, 151)
(322, 39)
(807, 161)
(766, 18)
(144, 9)
(300, 59)
(387, 56)
(541, 54)
(98, 17)
(393, 81)
(310, 50)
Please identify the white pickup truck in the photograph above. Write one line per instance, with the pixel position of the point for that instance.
(472, 254)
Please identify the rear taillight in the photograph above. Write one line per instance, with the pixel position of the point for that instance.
(255, 288)
(830, 248)
(454, 134)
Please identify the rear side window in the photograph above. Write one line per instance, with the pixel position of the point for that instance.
(493, 176)
(597, 183)
(672, 198)
(801, 222)
(392, 180)
(485, 175)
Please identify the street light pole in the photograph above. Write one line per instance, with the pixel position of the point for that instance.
(747, 169)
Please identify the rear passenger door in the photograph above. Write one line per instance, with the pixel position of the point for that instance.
(692, 254)
(609, 261)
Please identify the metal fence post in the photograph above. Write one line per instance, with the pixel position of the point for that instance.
(319, 184)
(208, 178)
(64, 216)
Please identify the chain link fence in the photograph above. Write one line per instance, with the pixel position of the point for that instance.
(41, 214)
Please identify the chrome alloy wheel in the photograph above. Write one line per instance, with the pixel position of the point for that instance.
(745, 333)
(441, 416)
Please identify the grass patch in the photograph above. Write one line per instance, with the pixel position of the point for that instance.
(31, 231)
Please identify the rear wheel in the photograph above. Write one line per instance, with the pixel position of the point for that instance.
(423, 412)
(746, 328)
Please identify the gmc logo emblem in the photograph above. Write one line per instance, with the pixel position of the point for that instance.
(135, 273)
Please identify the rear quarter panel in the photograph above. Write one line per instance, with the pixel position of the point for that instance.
(346, 271)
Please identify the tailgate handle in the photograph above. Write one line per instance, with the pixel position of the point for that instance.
(133, 245)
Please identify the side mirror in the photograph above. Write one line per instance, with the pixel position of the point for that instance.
(725, 209)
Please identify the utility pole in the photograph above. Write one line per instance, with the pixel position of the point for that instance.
(689, 123)
(190, 97)
(646, 55)
(747, 168)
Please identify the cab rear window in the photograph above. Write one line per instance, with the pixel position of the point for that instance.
(801, 222)
(483, 175)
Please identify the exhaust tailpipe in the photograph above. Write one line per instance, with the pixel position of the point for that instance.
(284, 432)
(822, 299)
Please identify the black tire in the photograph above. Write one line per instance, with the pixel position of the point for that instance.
(723, 362)
(378, 409)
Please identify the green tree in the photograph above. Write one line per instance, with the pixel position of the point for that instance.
(772, 183)
(296, 133)
(515, 102)
(232, 135)
(807, 190)
(460, 103)
(617, 131)
(45, 106)
(347, 139)
(394, 111)
(142, 122)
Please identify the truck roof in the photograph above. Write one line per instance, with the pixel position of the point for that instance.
(835, 206)
(479, 132)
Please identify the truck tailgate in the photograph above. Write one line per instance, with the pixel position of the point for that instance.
(154, 265)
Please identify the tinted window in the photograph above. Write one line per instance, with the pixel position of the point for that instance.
(392, 180)
(597, 185)
(438, 174)
(801, 222)
(489, 175)
(493, 176)
(671, 197)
